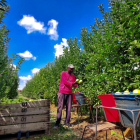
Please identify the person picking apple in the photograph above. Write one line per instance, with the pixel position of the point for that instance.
(65, 94)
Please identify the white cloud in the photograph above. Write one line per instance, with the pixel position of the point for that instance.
(13, 66)
(31, 24)
(52, 31)
(34, 58)
(59, 47)
(22, 85)
(35, 70)
(27, 55)
(23, 81)
(23, 78)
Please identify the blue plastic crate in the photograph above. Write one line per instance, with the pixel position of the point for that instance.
(79, 96)
(130, 102)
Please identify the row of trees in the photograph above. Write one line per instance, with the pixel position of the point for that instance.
(109, 61)
(8, 73)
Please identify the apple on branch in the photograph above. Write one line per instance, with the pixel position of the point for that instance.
(81, 81)
(77, 80)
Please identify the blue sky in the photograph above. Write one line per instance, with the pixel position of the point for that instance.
(38, 29)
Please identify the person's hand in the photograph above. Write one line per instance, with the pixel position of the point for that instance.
(75, 83)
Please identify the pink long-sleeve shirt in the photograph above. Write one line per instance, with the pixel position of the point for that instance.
(66, 83)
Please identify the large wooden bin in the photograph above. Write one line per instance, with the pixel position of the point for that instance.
(25, 117)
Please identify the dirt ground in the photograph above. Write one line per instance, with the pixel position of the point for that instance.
(83, 121)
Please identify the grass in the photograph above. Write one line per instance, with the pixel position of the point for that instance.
(21, 96)
(61, 133)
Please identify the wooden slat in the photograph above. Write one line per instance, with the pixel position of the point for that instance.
(77, 105)
(24, 119)
(11, 129)
(102, 126)
(24, 111)
(27, 104)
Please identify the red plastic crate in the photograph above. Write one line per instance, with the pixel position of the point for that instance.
(74, 98)
(108, 100)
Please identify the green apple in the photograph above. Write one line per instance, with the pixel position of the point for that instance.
(126, 92)
(118, 93)
(80, 81)
(136, 91)
(77, 80)
(31, 100)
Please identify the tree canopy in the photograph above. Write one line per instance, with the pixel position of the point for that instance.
(108, 62)
(8, 73)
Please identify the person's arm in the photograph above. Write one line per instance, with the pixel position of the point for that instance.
(75, 84)
(64, 79)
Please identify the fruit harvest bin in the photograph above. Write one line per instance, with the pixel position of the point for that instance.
(131, 102)
(25, 117)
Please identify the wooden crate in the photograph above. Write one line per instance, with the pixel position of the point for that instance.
(27, 116)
